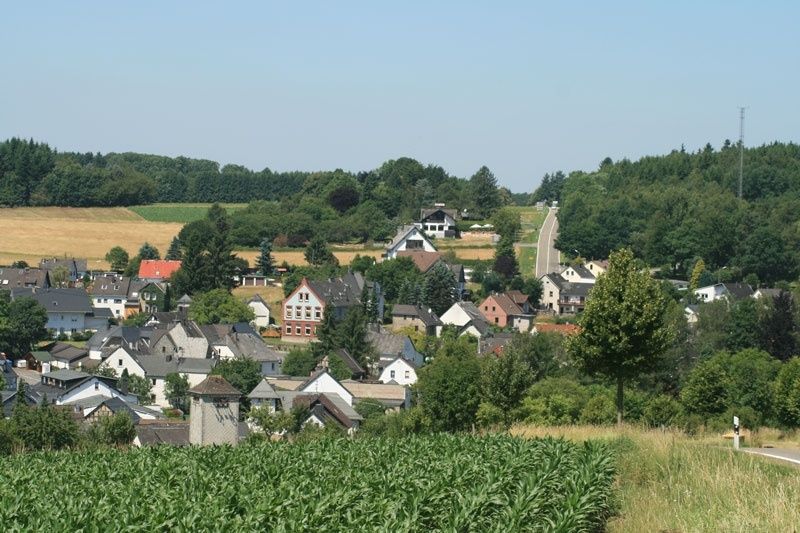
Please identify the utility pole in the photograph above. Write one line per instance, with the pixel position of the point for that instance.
(741, 148)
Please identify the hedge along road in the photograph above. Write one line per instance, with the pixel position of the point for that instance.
(547, 257)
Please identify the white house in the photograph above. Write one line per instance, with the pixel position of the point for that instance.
(408, 237)
(597, 267)
(67, 386)
(578, 274)
(261, 310)
(439, 222)
(399, 371)
(718, 291)
(156, 368)
(465, 316)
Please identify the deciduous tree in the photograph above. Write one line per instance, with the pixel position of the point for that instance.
(623, 327)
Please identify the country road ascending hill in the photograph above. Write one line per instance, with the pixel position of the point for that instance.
(547, 257)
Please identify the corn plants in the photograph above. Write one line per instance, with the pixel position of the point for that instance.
(430, 483)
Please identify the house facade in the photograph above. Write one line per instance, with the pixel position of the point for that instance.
(260, 310)
(409, 237)
(153, 298)
(439, 222)
(414, 317)
(500, 310)
(399, 371)
(563, 297)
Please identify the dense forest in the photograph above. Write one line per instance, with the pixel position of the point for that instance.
(292, 207)
(676, 209)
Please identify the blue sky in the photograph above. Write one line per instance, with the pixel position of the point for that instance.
(522, 87)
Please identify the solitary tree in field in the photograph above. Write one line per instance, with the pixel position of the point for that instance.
(624, 326)
(118, 258)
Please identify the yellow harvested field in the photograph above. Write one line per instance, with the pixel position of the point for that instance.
(30, 233)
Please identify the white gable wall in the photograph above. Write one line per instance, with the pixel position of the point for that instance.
(400, 372)
(328, 384)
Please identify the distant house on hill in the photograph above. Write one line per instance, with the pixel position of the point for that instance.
(439, 222)
(157, 269)
(718, 291)
(408, 237)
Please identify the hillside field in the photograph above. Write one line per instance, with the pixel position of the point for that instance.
(433, 483)
(671, 482)
(182, 213)
(31, 233)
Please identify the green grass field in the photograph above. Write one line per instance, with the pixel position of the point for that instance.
(182, 213)
(670, 482)
(532, 220)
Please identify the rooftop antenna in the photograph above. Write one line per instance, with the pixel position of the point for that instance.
(741, 148)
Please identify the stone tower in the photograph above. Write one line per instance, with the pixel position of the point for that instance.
(214, 412)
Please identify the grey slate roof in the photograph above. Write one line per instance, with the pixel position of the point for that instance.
(263, 391)
(402, 233)
(65, 375)
(739, 290)
(163, 433)
(110, 285)
(339, 292)
(583, 272)
(426, 213)
(58, 300)
(386, 343)
(11, 278)
(158, 366)
(568, 288)
(428, 317)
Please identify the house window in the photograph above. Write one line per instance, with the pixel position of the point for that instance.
(308, 312)
(493, 309)
(119, 362)
(317, 313)
(288, 312)
(96, 385)
(485, 307)
(551, 294)
(154, 381)
(288, 329)
(308, 331)
(297, 330)
(408, 374)
(496, 320)
(298, 311)
(391, 374)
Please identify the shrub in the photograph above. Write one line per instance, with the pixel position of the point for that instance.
(661, 410)
(599, 410)
(787, 394)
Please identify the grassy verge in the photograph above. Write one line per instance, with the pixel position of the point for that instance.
(670, 482)
(532, 220)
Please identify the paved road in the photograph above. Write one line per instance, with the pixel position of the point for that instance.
(791, 456)
(546, 254)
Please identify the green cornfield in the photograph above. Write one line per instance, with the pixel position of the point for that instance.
(183, 213)
(433, 483)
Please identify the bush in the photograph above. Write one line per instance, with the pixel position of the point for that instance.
(490, 416)
(554, 401)
(661, 410)
(787, 394)
(599, 410)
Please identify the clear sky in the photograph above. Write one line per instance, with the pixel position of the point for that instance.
(522, 87)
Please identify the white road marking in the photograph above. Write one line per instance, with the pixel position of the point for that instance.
(772, 455)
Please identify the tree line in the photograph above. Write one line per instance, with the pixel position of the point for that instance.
(32, 173)
(676, 209)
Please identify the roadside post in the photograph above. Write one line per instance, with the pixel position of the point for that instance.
(735, 432)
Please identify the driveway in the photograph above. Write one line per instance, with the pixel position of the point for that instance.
(791, 456)
(547, 257)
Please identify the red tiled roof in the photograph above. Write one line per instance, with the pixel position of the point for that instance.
(563, 329)
(158, 268)
(423, 260)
